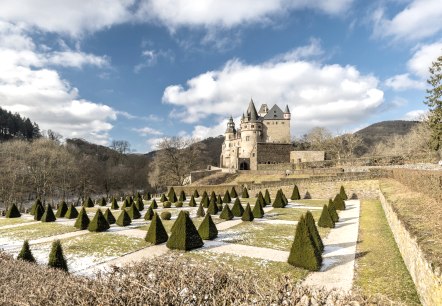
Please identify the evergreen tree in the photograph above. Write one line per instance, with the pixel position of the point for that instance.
(258, 212)
(233, 193)
(133, 212)
(192, 202)
(88, 202)
(139, 204)
(245, 193)
(56, 257)
(25, 252)
(184, 235)
(13, 212)
(149, 214)
(213, 208)
(226, 213)
(303, 252)
(98, 223)
(39, 211)
(33, 207)
(434, 102)
(343, 194)
(72, 212)
(295, 194)
(62, 210)
(114, 204)
(103, 202)
(163, 198)
(154, 204)
(332, 211)
(123, 219)
(200, 212)
(156, 233)
(247, 215)
(207, 228)
(227, 198)
(48, 215)
(339, 202)
(310, 221)
(325, 220)
(182, 196)
(267, 197)
(109, 217)
(279, 201)
(237, 209)
(82, 221)
(196, 194)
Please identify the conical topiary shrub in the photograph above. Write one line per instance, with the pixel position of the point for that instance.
(310, 221)
(163, 198)
(13, 212)
(226, 213)
(192, 202)
(38, 213)
(134, 212)
(354, 196)
(325, 220)
(342, 193)
(153, 204)
(88, 202)
(339, 202)
(98, 223)
(207, 228)
(205, 201)
(25, 252)
(332, 210)
(126, 204)
(149, 214)
(37, 202)
(172, 195)
(200, 212)
(227, 198)
(245, 193)
(130, 200)
(284, 198)
(103, 202)
(279, 201)
(303, 252)
(307, 195)
(82, 221)
(184, 235)
(237, 209)
(258, 212)
(295, 194)
(196, 194)
(247, 215)
(56, 257)
(204, 194)
(213, 208)
(148, 196)
(220, 206)
(139, 204)
(156, 233)
(267, 197)
(123, 219)
(114, 204)
(48, 215)
(109, 217)
(182, 197)
(261, 199)
(62, 210)
(72, 212)
(233, 193)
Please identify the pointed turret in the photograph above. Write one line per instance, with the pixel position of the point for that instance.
(231, 126)
(287, 112)
(252, 115)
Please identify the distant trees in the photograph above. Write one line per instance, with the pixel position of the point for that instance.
(434, 102)
(121, 146)
(13, 126)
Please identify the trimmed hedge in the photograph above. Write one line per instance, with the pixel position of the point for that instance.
(167, 204)
(109, 217)
(226, 213)
(310, 221)
(267, 197)
(339, 202)
(156, 233)
(149, 214)
(56, 257)
(192, 202)
(332, 211)
(37, 202)
(153, 204)
(163, 198)
(207, 228)
(279, 200)
(247, 215)
(233, 193)
(139, 204)
(258, 212)
(38, 213)
(166, 215)
(184, 235)
(342, 193)
(200, 212)
(88, 202)
(325, 220)
(72, 212)
(178, 204)
(295, 194)
(114, 204)
(213, 208)
(126, 204)
(205, 201)
(103, 202)
(13, 212)
(196, 194)
(48, 215)
(82, 221)
(172, 195)
(182, 196)
(25, 252)
(307, 196)
(245, 193)
(124, 219)
(237, 209)
(133, 212)
(98, 223)
(62, 210)
(227, 198)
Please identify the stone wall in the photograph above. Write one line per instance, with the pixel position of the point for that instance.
(428, 282)
(273, 153)
(306, 156)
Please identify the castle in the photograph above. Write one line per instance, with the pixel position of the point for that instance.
(263, 138)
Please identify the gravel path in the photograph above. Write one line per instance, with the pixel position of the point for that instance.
(339, 253)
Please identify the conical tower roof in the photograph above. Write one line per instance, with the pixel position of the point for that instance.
(252, 114)
(287, 111)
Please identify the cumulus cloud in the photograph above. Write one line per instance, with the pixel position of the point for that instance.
(150, 57)
(404, 82)
(144, 131)
(415, 115)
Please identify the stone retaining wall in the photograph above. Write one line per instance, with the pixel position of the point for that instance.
(428, 282)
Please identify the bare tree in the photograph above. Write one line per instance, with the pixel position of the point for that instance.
(121, 146)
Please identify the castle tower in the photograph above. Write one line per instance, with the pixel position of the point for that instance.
(228, 149)
(287, 115)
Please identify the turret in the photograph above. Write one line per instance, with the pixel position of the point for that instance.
(230, 131)
(287, 114)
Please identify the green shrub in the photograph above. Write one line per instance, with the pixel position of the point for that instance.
(226, 213)
(220, 206)
(184, 235)
(227, 198)
(258, 212)
(196, 194)
(114, 204)
(279, 201)
(72, 212)
(213, 208)
(261, 199)
(13, 212)
(192, 202)
(237, 209)
(172, 195)
(124, 219)
(139, 204)
(325, 220)
(156, 233)
(166, 215)
(310, 221)
(303, 252)
(307, 196)
(103, 202)
(212, 197)
(98, 223)
(56, 257)
(149, 214)
(284, 198)
(148, 196)
(233, 193)
(205, 195)
(133, 212)
(154, 204)
(167, 204)
(205, 201)
(247, 215)
(62, 210)
(207, 228)
(245, 193)
(295, 194)
(130, 200)
(182, 196)
(48, 215)
(88, 202)
(200, 212)
(126, 204)
(179, 204)
(109, 217)
(342, 193)
(38, 213)
(267, 197)
(163, 198)
(25, 252)
(332, 211)
(82, 221)
(37, 202)
(354, 196)
(339, 202)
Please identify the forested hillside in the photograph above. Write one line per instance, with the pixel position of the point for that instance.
(13, 126)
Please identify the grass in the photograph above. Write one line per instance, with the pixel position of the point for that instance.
(291, 214)
(258, 178)
(35, 231)
(12, 221)
(380, 268)
(312, 202)
(168, 223)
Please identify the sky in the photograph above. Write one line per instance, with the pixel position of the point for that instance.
(140, 71)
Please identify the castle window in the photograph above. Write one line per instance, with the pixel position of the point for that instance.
(253, 154)
(253, 126)
(247, 138)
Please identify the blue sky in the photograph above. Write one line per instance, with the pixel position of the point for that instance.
(143, 70)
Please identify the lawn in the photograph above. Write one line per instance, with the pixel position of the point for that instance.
(168, 223)
(12, 221)
(291, 214)
(35, 231)
(380, 268)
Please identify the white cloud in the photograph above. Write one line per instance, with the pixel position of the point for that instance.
(325, 95)
(76, 59)
(404, 82)
(203, 132)
(415, 115)
(312, 50)
(150, 57)
(147, 131)
(419, 19)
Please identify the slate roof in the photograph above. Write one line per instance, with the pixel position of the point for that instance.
(275, 113)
